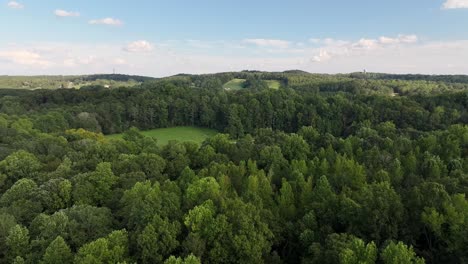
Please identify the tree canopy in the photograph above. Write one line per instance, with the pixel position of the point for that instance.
(326, 169)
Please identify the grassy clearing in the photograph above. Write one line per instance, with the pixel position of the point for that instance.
(273, 84)
(238, 84)
(183, 134)
(235, 84)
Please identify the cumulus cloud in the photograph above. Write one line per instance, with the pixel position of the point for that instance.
(15, 5)
(106, 21)
(63, 13)
(455, 4)
(139, 46)
(393, 54)
(120, 61)
(382, 41)
(79, 61)
(269, 43)
(400, 39)
(332, 48)
(24, 57)
(322, 56)
(366, 43)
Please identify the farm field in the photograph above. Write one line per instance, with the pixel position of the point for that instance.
(183, 134)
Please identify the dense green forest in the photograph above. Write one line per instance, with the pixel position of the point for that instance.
(347, 169)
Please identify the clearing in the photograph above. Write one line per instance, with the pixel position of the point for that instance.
(238, 84)
(182, 134)
(235, 84)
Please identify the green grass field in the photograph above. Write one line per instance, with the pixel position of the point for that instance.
(238, 84)
(273, 84)
(235, 84)
(187, 133)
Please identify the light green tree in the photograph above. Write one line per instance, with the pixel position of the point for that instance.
(358, 252)
(399, 253)
(191, 259)
(158, 240)
(111, 249)
(58, 252)
(18, 242)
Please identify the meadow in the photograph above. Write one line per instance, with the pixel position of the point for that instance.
(273, 84)
(238, 84)
(183, 134)
(235, 84)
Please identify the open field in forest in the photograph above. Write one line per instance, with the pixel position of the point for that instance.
(185, 133)
(238, 84)
(235, 84)
(273, 84)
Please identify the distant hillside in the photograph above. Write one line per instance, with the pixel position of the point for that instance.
(295, 72)
(71, 82)
(117, 77)
(355, 83)
(411, 77)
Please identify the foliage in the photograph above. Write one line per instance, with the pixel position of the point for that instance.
(326, 169)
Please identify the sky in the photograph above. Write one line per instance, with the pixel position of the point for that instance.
(162, 38)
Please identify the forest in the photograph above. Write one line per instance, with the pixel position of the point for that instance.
(350, 168)
(78, 81)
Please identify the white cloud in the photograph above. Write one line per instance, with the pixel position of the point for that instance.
(78, 61)
(24, 57)
(120, 61)
(322, 56)
(387, 40)
(69, 62)
(106, 21)
(393, 54)
(63, 13)
(139, 46)
(400, 39)
(408, 38)
(270, 43)
(15, 5)
(366, 44)
(382, 41)
(455, 4)
(87, 60)
(332, 48)
(327, 41)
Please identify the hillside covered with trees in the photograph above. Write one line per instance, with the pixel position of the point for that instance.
(350, 168)
(69, 82)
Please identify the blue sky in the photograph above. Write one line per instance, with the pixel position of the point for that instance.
(160, 38)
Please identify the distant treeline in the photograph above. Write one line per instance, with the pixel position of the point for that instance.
(116, 77)
(413, 77)
(334, 105)
(78, 81)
